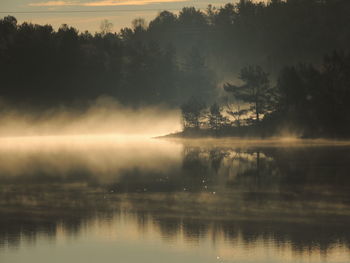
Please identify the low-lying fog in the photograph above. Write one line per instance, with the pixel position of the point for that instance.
(103, 116)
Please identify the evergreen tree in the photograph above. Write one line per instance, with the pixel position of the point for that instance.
(255, 91)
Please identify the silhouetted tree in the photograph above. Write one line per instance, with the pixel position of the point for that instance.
(188, 54)
(216, 120)
(236, 112)
(256, 90)
(106, 27)
(192, 112)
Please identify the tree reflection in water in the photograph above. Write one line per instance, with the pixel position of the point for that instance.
(297, 197)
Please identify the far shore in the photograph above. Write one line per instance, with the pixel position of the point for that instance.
(228, 140)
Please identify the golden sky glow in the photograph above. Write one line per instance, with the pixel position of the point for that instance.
(101, 3)
(88, 14)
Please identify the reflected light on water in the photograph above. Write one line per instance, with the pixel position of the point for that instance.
(136, 199)
(126, 232)
(101, 155)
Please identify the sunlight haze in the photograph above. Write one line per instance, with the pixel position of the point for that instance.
(120, 13)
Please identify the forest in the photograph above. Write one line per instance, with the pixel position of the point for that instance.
(245, 68)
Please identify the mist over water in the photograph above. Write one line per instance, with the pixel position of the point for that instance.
(136, 199)
(103, 116)
(86, 174)
(82, 185)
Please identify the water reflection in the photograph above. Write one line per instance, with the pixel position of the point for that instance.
(184, 201)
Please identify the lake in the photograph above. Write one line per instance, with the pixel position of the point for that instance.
(133, 199)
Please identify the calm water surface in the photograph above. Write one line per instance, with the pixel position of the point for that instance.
(108, 199)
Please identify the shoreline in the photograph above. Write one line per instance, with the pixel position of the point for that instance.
(271, 141)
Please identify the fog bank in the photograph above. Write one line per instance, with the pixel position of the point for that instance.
(103, 116)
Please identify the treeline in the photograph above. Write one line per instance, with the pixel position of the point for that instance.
(173, 57)
(306, 101)
(40, 65)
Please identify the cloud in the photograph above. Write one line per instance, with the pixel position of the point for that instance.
(54, 3)
(101, 3)
(129, 2)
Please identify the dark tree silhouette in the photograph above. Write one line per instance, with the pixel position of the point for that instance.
(255, 91)
(176, 56)
(216, 120)
(192, 112)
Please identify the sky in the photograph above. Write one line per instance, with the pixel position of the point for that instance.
(92, 12)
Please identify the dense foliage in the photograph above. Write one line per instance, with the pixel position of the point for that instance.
(192, 54)
(306, 101)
